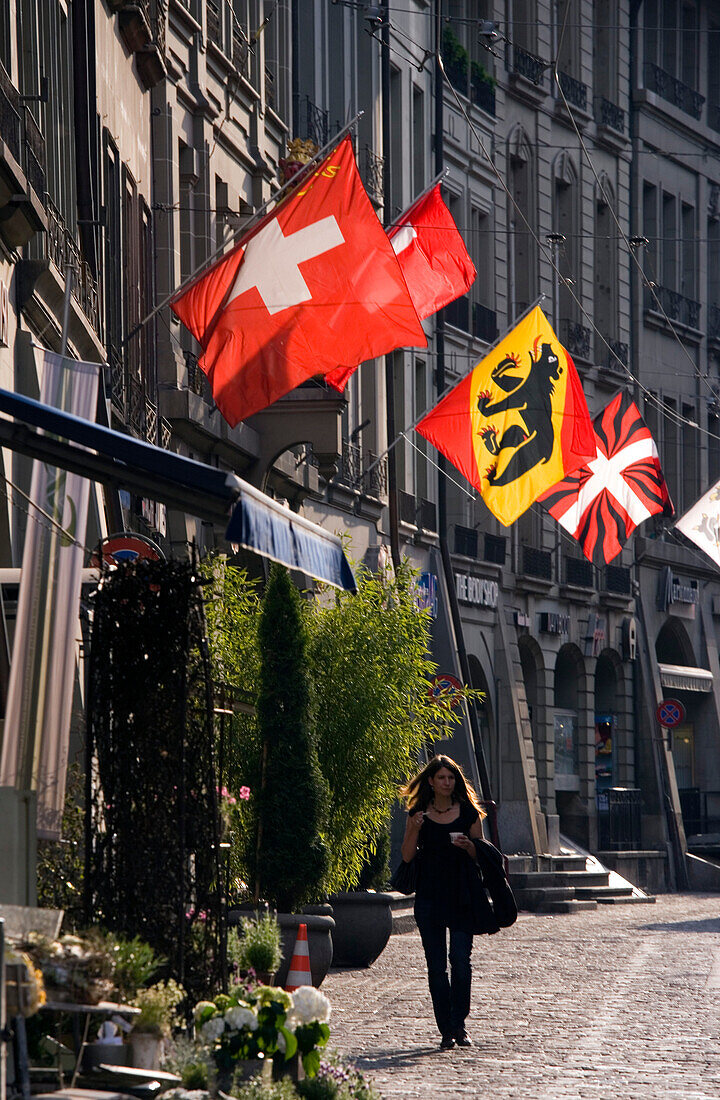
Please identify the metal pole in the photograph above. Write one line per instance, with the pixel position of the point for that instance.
(3, 1034)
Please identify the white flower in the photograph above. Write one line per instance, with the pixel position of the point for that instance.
(239, 1017)
(309, 1004)
(213, 1029)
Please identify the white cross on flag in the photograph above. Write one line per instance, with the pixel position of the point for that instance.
(314, 286)
(603, 502)
(701, 523)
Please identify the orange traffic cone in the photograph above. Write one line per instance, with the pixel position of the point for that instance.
(299, 972)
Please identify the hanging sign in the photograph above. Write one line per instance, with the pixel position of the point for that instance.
(127, 547)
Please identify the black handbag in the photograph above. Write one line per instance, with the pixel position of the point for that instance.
(405, 878)
(492, 870)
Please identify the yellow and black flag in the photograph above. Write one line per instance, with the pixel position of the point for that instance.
(518, 423)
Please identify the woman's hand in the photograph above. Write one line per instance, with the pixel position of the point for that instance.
(412, 833)
(417, 819)
(466, 844)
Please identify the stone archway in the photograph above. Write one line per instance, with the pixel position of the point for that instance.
(535, 683)
(571, 744)
(485, 711)
(612, 721)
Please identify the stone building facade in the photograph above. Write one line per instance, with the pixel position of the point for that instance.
(139, 138)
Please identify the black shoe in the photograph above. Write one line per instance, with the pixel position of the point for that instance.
(462, 1039)
(447, 1042)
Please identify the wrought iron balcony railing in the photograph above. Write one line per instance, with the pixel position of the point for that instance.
(579, 572)
(673, 90)
(375, 476)
(536, 563)
(407, 508)
(495, 549)
(427, 515)
(713, 328)
(576, 338)
(457, 313)
(484, 323)
(676, 306)
(313, 122)
(374, 174)
(575, 91)
(21, 134)
(269, 88)
(195, 376)
(350, 467)
(611, 351)
(608, 114)
(527, 65)
(617, 579)
(59, 245)
(466, 541)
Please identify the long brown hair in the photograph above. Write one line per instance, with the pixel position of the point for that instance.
(418, 793)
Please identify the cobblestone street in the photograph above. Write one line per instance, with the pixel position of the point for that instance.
(619, 1002)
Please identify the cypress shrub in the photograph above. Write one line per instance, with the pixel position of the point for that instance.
(292, 800)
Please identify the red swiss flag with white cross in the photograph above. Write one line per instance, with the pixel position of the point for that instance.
(314, 286)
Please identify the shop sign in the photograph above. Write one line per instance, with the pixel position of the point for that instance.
(478, 591)
(629, 639)
(522, 619)
(673, 591)
(426, 594)
(554, 622)
(4, 315)
(127, 546)
(595, 637)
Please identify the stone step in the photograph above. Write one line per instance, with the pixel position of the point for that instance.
(633, 899)
(535, 879)
(401, 907)
(600, 893)
(574, 905)
(534, 900)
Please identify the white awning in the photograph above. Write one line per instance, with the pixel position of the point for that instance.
(686, 678)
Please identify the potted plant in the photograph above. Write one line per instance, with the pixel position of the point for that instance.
(157, 1004)
(256, 946)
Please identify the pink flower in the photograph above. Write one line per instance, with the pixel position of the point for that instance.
(225, 793)
(244, 793)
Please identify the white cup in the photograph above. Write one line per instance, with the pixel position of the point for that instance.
(454, 836)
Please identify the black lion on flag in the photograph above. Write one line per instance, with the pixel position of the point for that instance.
(603, 502)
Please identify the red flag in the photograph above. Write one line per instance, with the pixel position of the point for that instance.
(603, 502)
(314, 285)
(433, 258)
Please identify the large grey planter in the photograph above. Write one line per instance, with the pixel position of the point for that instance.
(363, 923)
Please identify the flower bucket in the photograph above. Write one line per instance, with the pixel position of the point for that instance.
(146, 1050)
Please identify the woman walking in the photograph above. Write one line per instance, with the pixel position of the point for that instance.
(443, 817)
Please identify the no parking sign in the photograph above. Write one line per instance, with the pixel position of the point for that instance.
(670, 713)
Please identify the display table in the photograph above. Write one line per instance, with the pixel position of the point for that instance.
(81, 1016)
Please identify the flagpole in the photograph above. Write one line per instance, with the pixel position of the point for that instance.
(293, 182)
(499, 340)
(401, 217)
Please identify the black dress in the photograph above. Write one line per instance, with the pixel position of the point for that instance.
(444, 888)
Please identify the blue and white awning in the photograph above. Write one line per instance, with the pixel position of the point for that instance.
(257, 522)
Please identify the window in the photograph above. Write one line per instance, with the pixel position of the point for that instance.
(713, 443)
(421, 403)
(650, 230)
(650, 416)
(670, 447)
(524, 23)
(690, 455)
(713, 270)
(565, 222)
(567, 37)
(606, 263)
(397, 149)
(418, 125)
(112, 282)
(522, 254)
(671, 39)
(688, 263)
(605, 24)
(5, 35)
(713, 78)
(669, 241)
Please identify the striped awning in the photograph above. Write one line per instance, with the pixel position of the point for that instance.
(686, 678)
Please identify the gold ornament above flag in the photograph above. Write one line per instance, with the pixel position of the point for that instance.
(518, 423)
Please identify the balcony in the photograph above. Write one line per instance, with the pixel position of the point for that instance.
(579, 572)
(350, 466)
(608, 114)
(195, 374)
(484, 323)
(495, 550)
(472, 81)
(312, 121)
(608, 352)
(466, 541)
(406, 507)
(427, 517)
(575, 338)
(677, 308)
(713, 328)
(457, 313)
(22, 168)
(373, 174)
(673, 90)
(536, 563)
(575, 91)
(617, 580)
(528, 66)
(375, 475)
